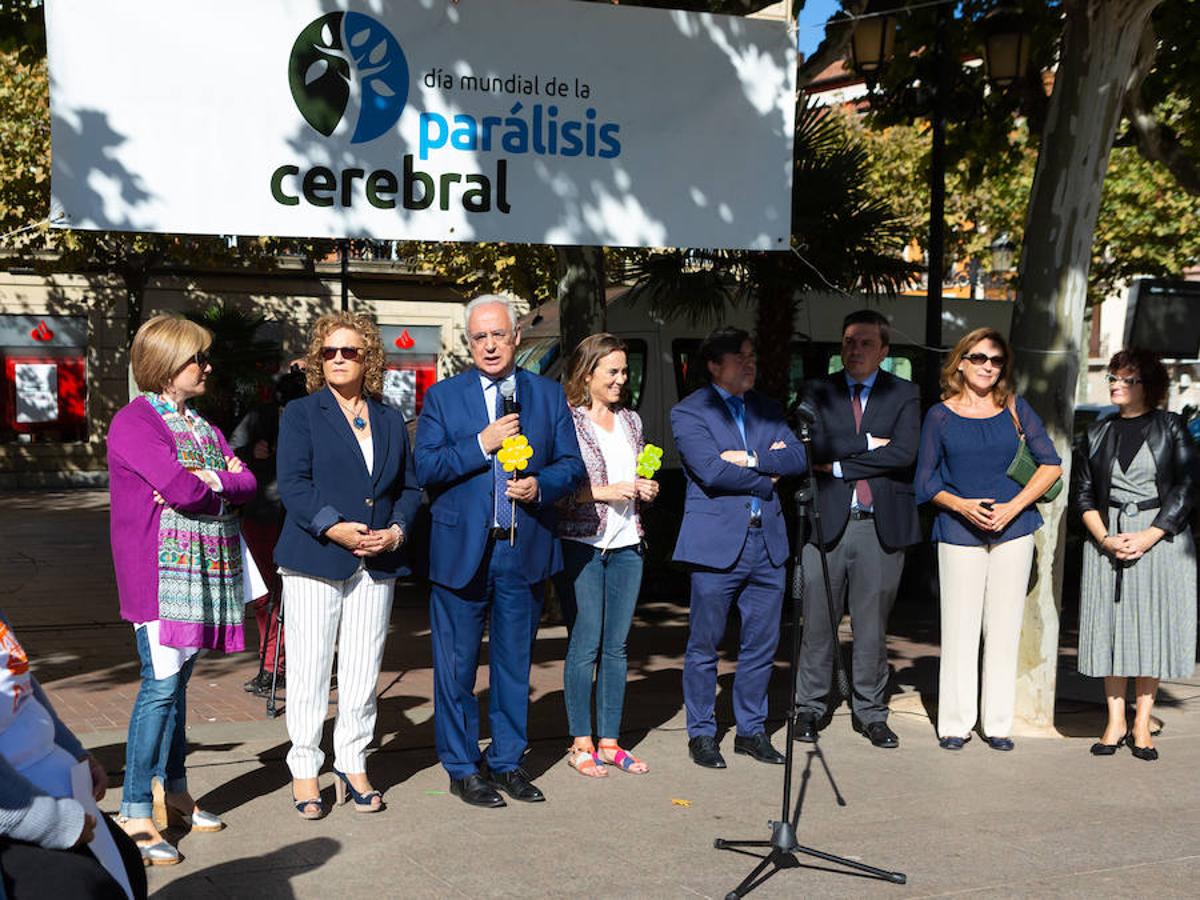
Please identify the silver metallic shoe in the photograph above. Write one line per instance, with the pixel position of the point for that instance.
(160, 854)
(199, 820)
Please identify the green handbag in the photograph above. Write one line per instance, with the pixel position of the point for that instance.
(1023, 465)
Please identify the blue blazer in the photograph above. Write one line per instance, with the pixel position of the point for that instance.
(323, 480)
(716, 511)
(458, 477)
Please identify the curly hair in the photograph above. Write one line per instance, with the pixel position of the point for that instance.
(373, 355)
(1149, 368)
(583, 363)
(953, 383)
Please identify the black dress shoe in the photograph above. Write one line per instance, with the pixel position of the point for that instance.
(1149, 754)
(705, 751)
(1102, 749)
(517, 785)
(759, 746)
(880, 735)
(475, 791)
(999, 743)
(806, 728)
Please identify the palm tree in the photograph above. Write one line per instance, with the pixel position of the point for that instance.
(842, 239)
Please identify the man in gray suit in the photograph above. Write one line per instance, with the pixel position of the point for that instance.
(864, 444)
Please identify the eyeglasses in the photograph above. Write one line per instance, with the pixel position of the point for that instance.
(978, 359)
(348, 353)
(499, 336)
(1127, 380)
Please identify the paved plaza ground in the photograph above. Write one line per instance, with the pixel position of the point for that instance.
(1045, 820)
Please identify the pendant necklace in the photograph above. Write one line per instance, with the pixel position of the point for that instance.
(359, 422)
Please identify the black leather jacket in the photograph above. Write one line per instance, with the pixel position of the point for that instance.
(1171, 446)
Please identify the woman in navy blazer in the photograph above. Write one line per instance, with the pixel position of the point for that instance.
(347, 483)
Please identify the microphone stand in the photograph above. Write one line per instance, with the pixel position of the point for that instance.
(783, 843)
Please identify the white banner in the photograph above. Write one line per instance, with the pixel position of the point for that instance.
(545, 121)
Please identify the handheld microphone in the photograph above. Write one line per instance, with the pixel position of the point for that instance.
(805, 412)
(508, 395)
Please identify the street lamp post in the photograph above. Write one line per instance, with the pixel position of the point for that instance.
(1006, 56)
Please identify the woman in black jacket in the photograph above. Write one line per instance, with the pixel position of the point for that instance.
(1134, 481)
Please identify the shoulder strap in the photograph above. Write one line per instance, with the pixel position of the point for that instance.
(1012, 411)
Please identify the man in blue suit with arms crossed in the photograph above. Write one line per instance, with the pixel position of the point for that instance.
(735, 446)
(478, 575)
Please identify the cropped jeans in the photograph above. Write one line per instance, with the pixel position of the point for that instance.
(599, 591)
(157, 741)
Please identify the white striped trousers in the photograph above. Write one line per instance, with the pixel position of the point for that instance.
(354, 614)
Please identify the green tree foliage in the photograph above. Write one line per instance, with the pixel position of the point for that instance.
(25, 141)
(1148, 225)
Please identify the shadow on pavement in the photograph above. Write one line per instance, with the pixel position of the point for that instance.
(262, 877)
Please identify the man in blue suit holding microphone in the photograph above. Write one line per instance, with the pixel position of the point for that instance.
(488, 557)
(735, 446)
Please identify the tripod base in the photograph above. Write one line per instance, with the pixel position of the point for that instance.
(784, 847)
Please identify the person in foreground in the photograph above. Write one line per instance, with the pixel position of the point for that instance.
(492, 545)
(1134, 487)
(864, 446)
(602, 552)
(984, 532)
(735, 446)
(46, 835)
(173, 483)
(346, 480)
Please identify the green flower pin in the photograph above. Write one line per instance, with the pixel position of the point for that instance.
(649, 461)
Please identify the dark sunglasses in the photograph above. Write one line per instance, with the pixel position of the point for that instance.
(200, 358)
(1127, 380)
(978, 359)
(348, 353)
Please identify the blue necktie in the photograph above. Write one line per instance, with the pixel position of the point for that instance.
(737, 406)
(500, 503)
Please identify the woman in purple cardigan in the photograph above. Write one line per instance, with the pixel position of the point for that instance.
(178, 559)
(602, 552)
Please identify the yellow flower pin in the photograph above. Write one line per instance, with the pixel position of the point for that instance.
(515, 453)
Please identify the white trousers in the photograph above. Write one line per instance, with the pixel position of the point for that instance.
(983, 592)
(354, 615)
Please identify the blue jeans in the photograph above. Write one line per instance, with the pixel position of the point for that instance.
(157, 741)
(598, 592)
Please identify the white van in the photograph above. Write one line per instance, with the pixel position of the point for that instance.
(661, 353)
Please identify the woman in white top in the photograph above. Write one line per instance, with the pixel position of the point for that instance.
(602, 552)
(345, 476)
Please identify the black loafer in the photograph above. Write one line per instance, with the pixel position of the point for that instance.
(999, 743)
(1102, 749)
(475, 791)
(705, 751)
(517, 785)
(953, 743)
(1149, 754)
(806, 728)
(880, 735)
(759, 747)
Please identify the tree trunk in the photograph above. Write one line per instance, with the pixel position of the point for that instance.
(773, 337)
(581, 302)
(135, 278)
(1099, 45)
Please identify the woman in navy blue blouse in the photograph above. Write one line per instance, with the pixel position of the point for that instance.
(984, 532)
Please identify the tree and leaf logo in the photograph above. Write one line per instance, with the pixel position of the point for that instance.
(348, 67)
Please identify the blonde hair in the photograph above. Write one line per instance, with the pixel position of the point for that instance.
(162, 347)
(583, 363)
(953, 383)
(372, 357)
